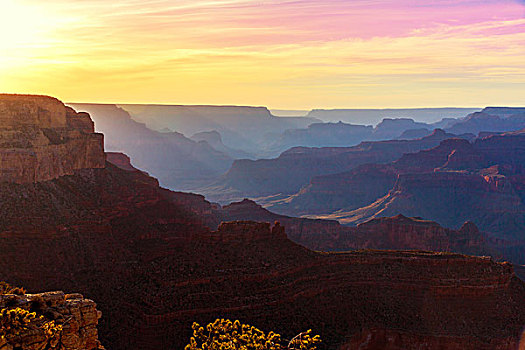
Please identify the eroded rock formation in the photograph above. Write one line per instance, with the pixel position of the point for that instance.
(41, 139)
(171, 157)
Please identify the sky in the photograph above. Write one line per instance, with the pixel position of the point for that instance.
(286, 54)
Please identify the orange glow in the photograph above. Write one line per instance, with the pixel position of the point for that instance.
(282, 54)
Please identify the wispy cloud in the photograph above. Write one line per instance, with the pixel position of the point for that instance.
(284, 53)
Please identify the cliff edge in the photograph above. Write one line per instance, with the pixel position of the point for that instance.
(41, 139)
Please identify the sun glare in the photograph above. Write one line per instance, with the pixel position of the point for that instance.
(22, 30)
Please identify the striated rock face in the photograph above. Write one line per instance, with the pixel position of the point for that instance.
(450, 198)
(321, 135)
(328, 193)
(77, 316)
(491, 119)
(41, 139)
(17, 111)
(109, 230)
(241, 127)
(364, 184)
(400, 232)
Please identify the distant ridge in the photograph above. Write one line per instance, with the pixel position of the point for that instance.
(374, 116)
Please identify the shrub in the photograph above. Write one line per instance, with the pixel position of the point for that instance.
(6, 288)
(227, 335)
(15, 322)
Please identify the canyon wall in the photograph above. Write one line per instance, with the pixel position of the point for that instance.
(42, 139)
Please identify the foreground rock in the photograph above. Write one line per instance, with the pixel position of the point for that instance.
(77, 316)
(128, 236)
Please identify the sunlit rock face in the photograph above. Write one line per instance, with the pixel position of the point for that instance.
(41, 139)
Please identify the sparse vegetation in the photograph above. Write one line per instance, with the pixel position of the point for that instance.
(15, 322)
(6, 288)
(227, 335)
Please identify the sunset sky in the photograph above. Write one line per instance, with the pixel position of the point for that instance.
(296, 54)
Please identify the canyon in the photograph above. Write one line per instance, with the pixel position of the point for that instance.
(398, 232)
(242, 127)
(374, 116)
(293, 169)
(452, 183)
(156, 260)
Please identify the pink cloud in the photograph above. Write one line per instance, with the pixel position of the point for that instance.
(240, 23)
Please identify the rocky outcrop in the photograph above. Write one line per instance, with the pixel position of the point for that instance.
(41, 139)
(77, 316)
(364, 184)
(449, 198)
(321, 135)
(329, 193)
(214, 139)
(400, 232)
(242, 127)
(414, 134)
(374, 116)
(455, 182)
(389, 128)
(453, 154)
(121, 160)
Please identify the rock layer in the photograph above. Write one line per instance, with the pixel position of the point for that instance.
(177, 161)
(294, 168)
(42, 139)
